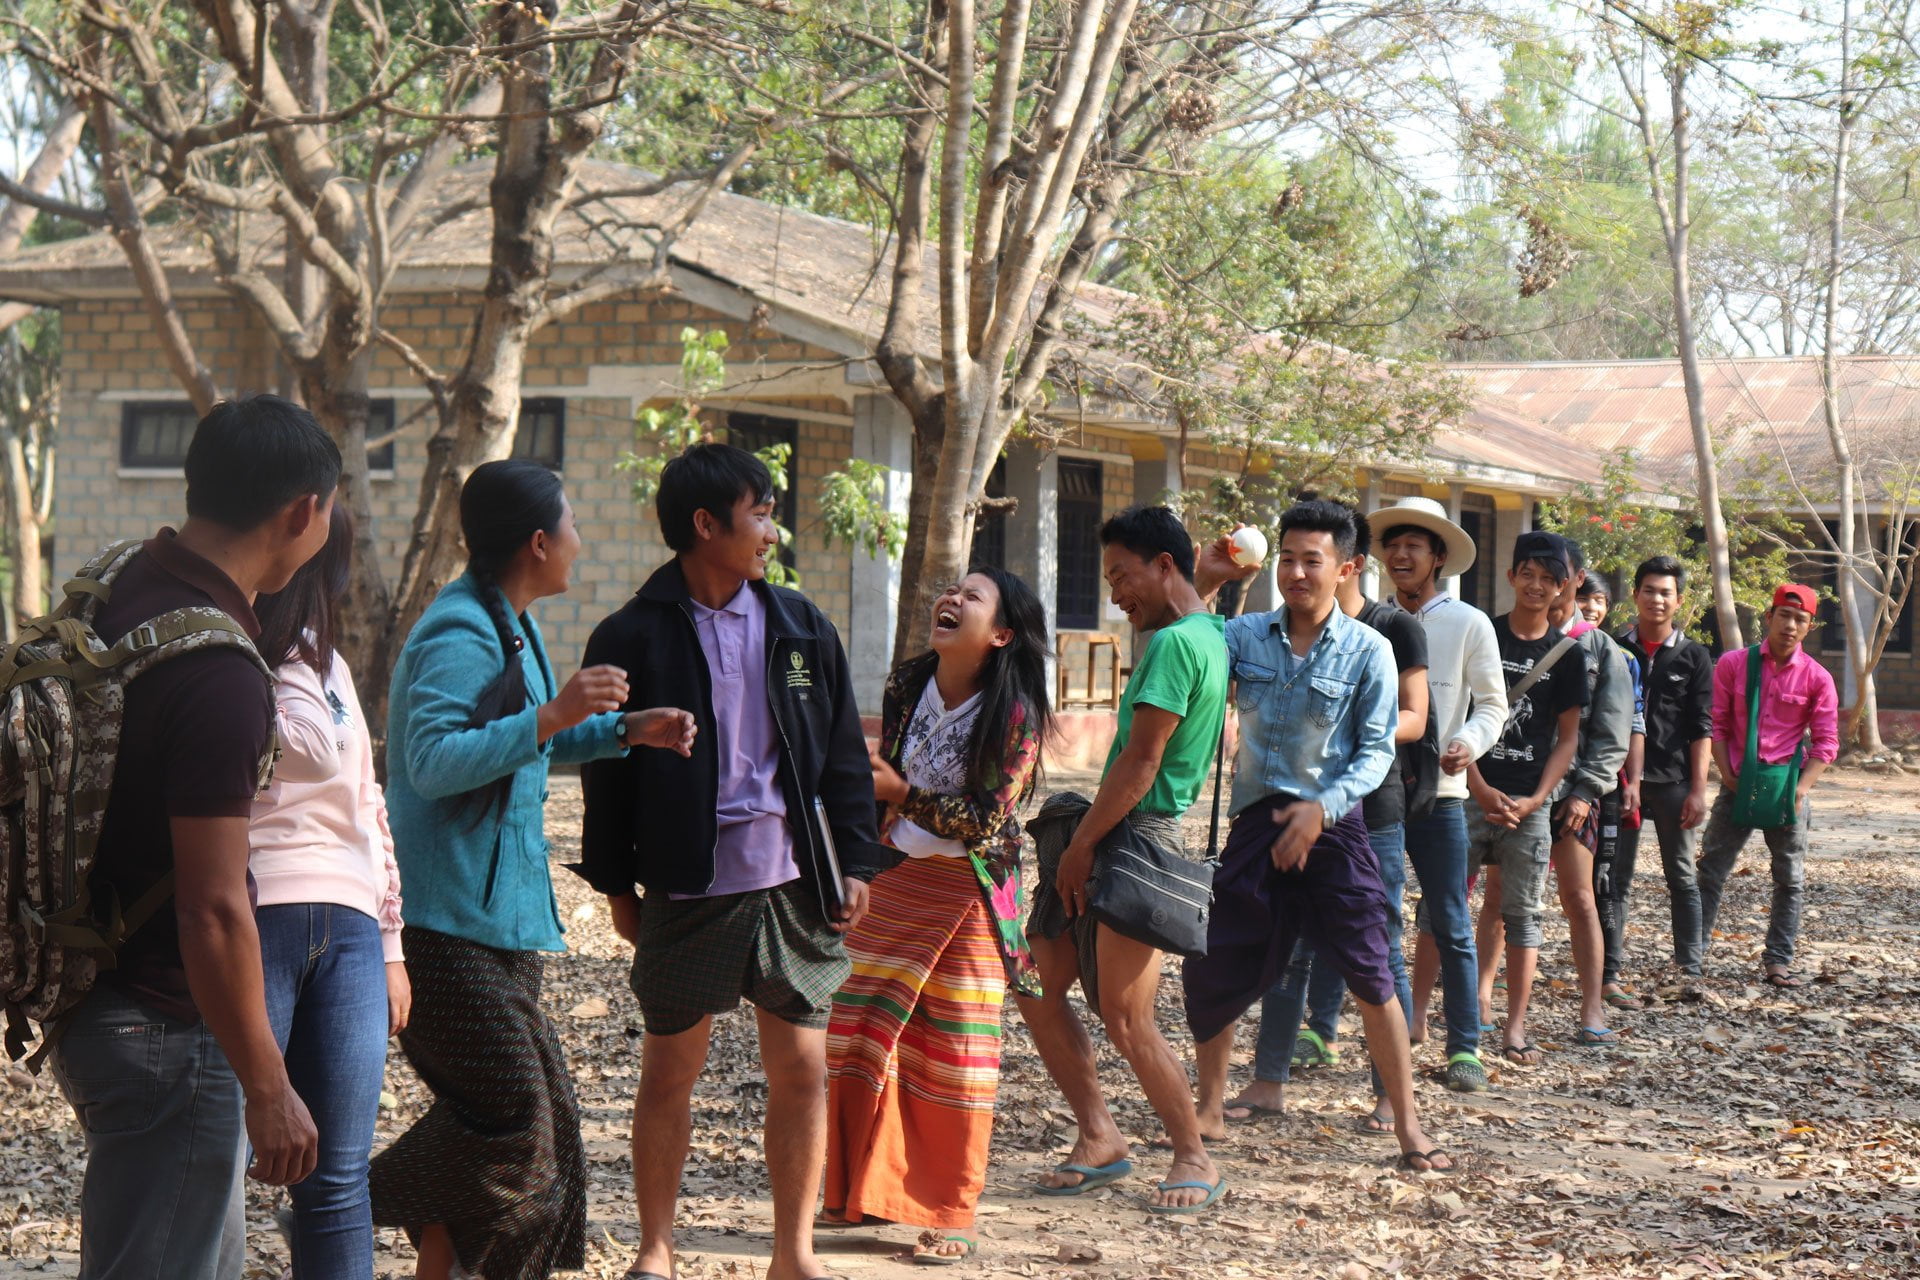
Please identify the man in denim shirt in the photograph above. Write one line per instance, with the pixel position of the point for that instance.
(1318, 701)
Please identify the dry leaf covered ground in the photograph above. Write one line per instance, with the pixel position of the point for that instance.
(1751, 1133)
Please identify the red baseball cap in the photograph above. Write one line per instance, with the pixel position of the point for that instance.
(1796, 595)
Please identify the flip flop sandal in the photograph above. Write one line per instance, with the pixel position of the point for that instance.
(1372, 1123)
(1164, 1143)
(933, 1240)
(1407, 1159)
(1596, 1036)
(1517, 1054)
(1213, 1191)
(1466, 1073)
(1622, 1000)
(1092, 1177)
(1499, 984)
(1253, 1113)
(1310, 1051)
(1785, 981)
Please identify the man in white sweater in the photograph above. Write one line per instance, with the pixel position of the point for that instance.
(1419, 546)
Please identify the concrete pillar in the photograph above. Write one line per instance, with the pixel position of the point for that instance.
(883, 434)
(1373, 583)
(1153, 479)
(1455, 492)
(1033, 529)
(1509, 522)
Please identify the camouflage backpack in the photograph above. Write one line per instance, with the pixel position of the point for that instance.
(62, 693)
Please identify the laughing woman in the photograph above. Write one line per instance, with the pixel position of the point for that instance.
(913, 1050)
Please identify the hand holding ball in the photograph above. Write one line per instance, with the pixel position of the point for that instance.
(1248, 547)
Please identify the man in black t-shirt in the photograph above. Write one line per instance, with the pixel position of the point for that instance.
(1508, 824)
(1312, 984)
(169, 1062)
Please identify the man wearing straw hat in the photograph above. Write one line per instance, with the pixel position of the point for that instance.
(1418, 545)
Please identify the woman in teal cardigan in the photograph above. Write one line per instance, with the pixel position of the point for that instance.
(492, 1179)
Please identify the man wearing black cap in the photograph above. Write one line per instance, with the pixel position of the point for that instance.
(1508, 824)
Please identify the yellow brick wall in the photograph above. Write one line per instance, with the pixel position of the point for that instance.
(109, 354)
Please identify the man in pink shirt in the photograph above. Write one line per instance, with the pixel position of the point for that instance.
(1797, 702)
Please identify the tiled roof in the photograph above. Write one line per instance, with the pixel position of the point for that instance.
(1765, 412)
(830, 274)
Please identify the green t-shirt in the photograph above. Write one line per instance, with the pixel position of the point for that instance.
(1183, 671)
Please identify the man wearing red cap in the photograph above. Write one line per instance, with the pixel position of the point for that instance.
(1768, 701)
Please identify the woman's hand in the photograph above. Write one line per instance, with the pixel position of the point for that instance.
(888, 786)
(399, 997)
(668, 728)
(590, 692)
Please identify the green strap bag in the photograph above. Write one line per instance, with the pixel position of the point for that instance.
(1767, 791)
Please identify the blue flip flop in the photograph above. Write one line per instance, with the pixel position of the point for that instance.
(1213, 1191)
(1092, 1177)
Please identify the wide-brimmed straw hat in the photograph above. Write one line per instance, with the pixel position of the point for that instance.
(1425, 513)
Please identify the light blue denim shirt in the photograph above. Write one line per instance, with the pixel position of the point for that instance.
(1319, 728)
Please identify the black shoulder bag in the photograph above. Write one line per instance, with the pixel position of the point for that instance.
(1152, 894)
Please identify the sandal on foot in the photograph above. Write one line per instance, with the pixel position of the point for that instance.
(1523, 1055)
(1164, 1143)
(1624, 1000)
(1407, 1159)
(1373, 1122)
(1253, 1112)
(1310, 1051)
(1596, 1036)
(1785, 980)
(933, 1240)
(1213, 1191)
(1466, 1074)
(1092, 1177)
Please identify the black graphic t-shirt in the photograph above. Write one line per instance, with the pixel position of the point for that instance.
(1517, 760)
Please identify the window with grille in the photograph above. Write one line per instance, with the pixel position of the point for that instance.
(1473, 581)
(1077, 593)
(990, 527)
(542, 432)
(155, 434)
(754, 432)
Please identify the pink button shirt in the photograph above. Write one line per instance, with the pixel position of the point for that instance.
(1796, 699)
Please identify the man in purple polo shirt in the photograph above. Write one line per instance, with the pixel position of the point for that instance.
(754, 853)
(1798, 725)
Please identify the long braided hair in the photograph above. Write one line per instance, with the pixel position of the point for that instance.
(502, 505)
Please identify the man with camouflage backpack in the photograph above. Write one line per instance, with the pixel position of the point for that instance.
(167, 1056)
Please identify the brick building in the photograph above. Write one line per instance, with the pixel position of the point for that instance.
(802, 299)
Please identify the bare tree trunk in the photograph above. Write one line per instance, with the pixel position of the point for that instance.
(1706, 466)
(28, 598)
(62, 140)
(1862, 724)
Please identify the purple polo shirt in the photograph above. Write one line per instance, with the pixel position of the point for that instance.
(754, 846)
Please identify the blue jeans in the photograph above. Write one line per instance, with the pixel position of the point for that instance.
(1313, 985)
(327, 1000)
(1437, 848)
(163, 1118)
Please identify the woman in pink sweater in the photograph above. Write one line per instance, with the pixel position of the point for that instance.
(329, 910)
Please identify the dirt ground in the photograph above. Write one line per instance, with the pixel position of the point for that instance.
(1751, 1133)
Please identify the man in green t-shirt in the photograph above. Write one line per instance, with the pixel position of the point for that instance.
(1170, 719)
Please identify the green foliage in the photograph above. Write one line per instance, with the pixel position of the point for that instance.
(853, 509)
(1618, 528)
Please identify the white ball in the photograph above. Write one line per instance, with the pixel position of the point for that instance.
(1249, 546)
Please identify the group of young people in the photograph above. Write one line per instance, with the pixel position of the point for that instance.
(869, 902)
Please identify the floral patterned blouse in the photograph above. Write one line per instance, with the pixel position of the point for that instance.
(983, 819)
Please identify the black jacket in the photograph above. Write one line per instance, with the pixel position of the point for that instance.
(650, 814)
(1678, 681)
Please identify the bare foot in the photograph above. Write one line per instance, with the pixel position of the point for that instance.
(801, 1266)
(1202, 1170)
(945, 1244)
(1260, 1097)
(1091, 1154)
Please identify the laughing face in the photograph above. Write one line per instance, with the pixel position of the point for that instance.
(1139, 587)
(1534, 586)
(966, 619)
(1412, 560)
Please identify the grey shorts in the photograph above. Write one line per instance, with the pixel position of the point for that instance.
(701, 956)
(1522, 853)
